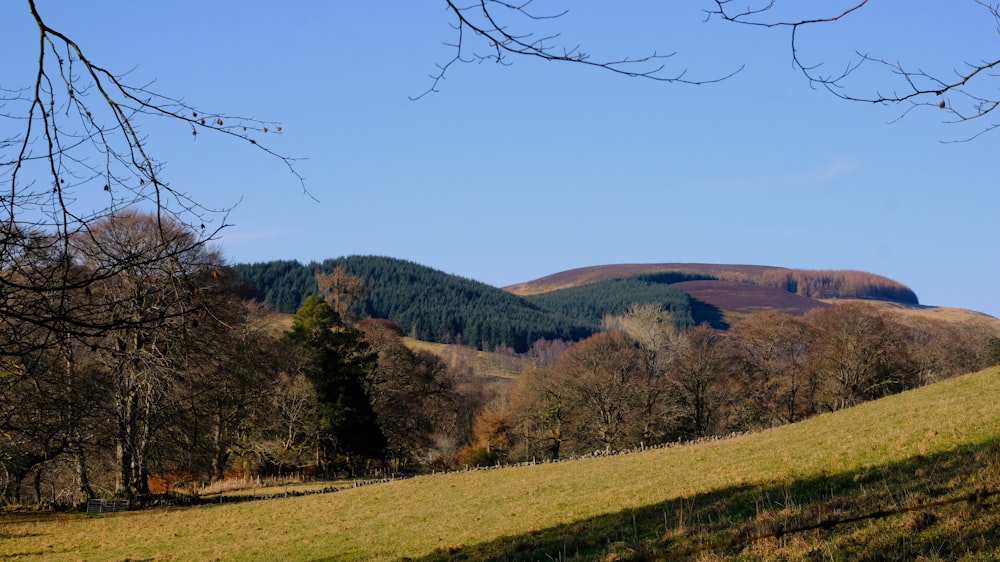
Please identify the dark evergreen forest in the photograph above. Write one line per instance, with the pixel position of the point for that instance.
(425, 303)
(592, 302)
(435, 306)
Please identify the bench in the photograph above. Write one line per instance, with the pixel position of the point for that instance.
(98, 505)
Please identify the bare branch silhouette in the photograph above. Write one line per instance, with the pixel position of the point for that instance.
(482, 36)
(77, 155)
(909, 86)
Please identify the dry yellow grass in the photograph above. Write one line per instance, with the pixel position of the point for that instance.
(414, 517)
(909, 314)
(483, 363)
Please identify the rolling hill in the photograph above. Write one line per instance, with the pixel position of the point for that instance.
(434, 306)
(720, 294)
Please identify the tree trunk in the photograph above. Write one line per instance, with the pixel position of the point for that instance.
(81, 476)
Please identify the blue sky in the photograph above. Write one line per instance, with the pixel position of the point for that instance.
(510, 173)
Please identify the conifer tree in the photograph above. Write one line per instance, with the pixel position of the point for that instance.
(336, 359)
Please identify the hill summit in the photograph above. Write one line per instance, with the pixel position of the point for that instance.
(813, 284)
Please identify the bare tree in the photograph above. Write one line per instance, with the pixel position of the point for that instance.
(149, 302)
(698, 377)
(973, 84)
(537, 408)
(76, 155)
(856, 349)
(770, 348)
(605, 392)
(499, 31)
(657, 338)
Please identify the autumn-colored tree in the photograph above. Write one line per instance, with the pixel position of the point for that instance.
(769, 349)
(605, 390)
(341, 291)
(856, 350)
(699, 378)
(411, 392)
(492, 436)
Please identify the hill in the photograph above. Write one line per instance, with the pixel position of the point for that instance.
(720, 303)
(427, 304)
(438, 307)
(807, 283)
(915, 315)
(722, 293)
(434, 306)
(873, 482)
(593, 274)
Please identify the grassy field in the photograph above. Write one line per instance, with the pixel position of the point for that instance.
(484, 363)
(915, 448)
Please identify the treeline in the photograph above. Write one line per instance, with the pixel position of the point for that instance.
(643, 382)
(162, 376)
(594, 301)
(831, 284)
(434, 306)
(283, 285)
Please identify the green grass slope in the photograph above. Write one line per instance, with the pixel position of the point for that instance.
(919, 447)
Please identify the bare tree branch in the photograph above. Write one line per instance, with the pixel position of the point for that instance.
(78, 158)
(918, 88)
(483, 21)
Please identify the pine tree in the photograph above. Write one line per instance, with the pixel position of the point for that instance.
(336, 359)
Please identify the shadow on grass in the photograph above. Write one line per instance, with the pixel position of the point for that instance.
(896, 493)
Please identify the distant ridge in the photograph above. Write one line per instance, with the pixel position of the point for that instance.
(596, 273)
(434, 306)
(814, 284)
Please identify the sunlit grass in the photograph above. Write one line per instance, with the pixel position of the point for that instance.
(415, 517)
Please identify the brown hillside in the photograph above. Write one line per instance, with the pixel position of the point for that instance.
(733, 300)
(918, 315)
(816, 284)
(593, 274)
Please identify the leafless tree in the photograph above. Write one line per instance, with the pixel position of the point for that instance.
(698, 377)
(855, 348)
(148, 307)
(605, 390)
(75, 155)
(499, 31)
(972, 85)
(657, 338)
(770, 349)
